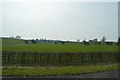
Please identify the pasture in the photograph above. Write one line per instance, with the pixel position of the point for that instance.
(9, 40)
(44, 53)
(19, 45)
(56, 59)
(50, 47)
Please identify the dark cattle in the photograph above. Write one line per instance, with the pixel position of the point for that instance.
(95, 43)
(63, 42)
(33, 41)
(26, 41)
(55, 42)
(85, 43)
(109, 43)
(99, 43)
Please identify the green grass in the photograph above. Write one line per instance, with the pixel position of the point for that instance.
(51, 47)
(8, 40)
(63, 70)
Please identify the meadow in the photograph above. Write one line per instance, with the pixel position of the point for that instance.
(44, 54)
(51, 47)
(10, 40)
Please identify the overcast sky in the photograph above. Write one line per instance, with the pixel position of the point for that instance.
(61, 20)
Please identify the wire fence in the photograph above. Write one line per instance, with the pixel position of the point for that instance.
(11, 58)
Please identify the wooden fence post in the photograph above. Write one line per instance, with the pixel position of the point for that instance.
(8, 58)
(81, 58)
(23, 57)
(59, 57)
(71, 58)
(35, 58)
(92, 57)
(12, 57)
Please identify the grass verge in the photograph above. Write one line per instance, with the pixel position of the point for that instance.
(63, 70)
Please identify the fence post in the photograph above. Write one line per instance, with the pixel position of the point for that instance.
(35, 57)
(23, 57)
(48, 56)
(81, 58)
(71, 58)
(109, 56)
(66, 58)
(4, 58)
(101, 60)
(12, 60)
(40, 60)
(8, 58)
(59, 57)
(92, 57)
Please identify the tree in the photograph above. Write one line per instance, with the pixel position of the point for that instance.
(37, 40)
(78, 40)
(95, 41)
(104, 38)
(18, 37)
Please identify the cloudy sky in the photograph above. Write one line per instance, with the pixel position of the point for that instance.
(60, 20)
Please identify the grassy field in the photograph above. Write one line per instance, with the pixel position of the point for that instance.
(18, 45)
(61, 70)
(50, 47)
(8, 40)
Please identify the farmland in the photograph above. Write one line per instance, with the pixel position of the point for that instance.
(51, 47)
(48, 58)
(9, 40)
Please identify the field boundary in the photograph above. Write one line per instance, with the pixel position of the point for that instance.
(57, 58)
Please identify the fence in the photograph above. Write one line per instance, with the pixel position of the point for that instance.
(56, 58)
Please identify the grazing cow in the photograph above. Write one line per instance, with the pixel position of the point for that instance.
(33, 41)
(99, 43)
(85, 43)
(62, 42)
(109, 43)
(55, 42)
(26, 41)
